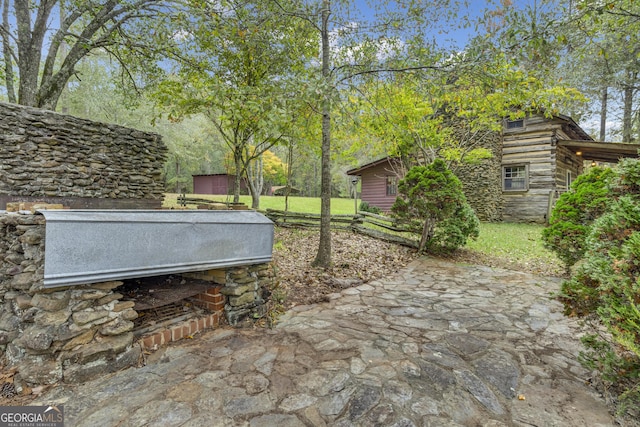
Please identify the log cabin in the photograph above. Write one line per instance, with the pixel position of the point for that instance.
(535, 159)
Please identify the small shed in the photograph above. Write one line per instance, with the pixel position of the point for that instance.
(281, 190)
(379, 182)
(220, 183)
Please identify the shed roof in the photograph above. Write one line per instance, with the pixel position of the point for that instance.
(360, 169)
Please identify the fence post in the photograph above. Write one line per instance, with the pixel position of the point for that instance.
(553, 195)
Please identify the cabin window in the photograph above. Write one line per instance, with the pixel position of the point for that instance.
(392, 185)
(569, 179)
(515, 124)
(515, 178)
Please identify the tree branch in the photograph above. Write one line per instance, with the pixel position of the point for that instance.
(52, 85)
(392, 70)
(301, 15)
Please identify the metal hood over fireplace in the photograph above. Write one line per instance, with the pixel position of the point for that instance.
(89, 246)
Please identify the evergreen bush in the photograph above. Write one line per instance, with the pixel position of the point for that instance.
(606, 286)
(574, 213)
(366, 207)
(431, 202)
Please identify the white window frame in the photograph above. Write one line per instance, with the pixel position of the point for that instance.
(569, 179)
(508, 174)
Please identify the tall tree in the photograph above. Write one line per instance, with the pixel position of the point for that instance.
(245, 59)
(602, 59)
(354, 49)
(41, 55)
(323, 256)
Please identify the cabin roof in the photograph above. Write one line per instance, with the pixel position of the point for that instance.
(572, 129)
(601, 151)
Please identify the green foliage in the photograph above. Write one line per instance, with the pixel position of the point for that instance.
(431, 202)
(606, 285)
(606, 59)
(243, 72)
(454, 231)
(623, 371)
(574, 213)
(365, 207)
(420, 117)
(194, 147)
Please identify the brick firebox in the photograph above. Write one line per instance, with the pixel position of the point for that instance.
(212, 301)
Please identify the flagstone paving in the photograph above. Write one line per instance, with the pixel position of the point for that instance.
(437, 344)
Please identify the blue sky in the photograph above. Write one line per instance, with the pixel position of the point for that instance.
(474, 10)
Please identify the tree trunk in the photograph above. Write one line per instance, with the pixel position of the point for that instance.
(323, 258)
(6, 51)
(237, 158)
(28, 56)
(30, 42)
(255, 178)
(178, 179)
(603, 113)
(287, 190)
(427, 231)
(627, 118)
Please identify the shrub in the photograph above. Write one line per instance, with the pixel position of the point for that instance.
(574, 213)
(366, 207)
(431, 202)
(606, 286)
(454, 231)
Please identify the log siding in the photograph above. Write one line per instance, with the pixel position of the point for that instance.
(535, 145)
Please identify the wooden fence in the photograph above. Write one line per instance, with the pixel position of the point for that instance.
(201, 203)
(377, 226)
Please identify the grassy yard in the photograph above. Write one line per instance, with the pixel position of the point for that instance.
(517, 241)
(296, 204)
(516, 246)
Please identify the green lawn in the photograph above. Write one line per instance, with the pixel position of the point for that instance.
(519, 242)
(296, 204)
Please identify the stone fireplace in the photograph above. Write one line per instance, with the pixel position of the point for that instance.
(72, 309)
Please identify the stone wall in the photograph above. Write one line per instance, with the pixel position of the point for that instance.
(482, 182)
(46, 155)
(70, 333)
(246, 289)
(75, 333)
